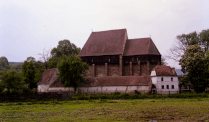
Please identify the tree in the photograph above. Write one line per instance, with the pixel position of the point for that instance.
(192, 63)
(32, 71)
(45, 56)
(206, 66)
(181, 44)
(12, 80)
(71, 70)
(204, 40)
(64, 47)
(4, 65)
(163, 62)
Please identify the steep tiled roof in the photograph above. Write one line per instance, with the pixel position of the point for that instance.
(57, 83)
(164, 71)
(47, 75)
(111, 81)
(110, 42)
(140, 46)
(116, 42)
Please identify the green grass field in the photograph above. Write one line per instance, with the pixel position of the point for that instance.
(169, 109)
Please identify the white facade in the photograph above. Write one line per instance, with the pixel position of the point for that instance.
(165, 84)
(45, 87)
(105, 89)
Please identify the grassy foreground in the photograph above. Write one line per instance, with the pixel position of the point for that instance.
(169, 109)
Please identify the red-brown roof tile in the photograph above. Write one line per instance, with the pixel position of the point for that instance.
(164, 71)
(47, 75)
(111, 81)
(57, 83)
(142, 46)
(110, 42)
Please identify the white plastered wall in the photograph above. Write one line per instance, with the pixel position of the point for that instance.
(105, 89)
(156, 80)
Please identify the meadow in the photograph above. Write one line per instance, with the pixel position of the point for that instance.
(165, 109)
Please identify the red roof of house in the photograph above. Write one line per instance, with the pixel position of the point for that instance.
(47, 75)
(110, 42)
(164, 71)
(140, 46)
(116, 42)
(111, 81)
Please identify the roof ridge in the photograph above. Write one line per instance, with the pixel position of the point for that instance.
(125, 41)
(108, 30)
(148, 46)
(155, 46)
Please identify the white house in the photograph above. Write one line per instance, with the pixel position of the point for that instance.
(165, 80)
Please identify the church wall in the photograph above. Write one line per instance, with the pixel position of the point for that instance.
(143, 69)
(100, 70)
(90, 71)
(126, 70)
(135, 70)
(104, 89)
(113, 70)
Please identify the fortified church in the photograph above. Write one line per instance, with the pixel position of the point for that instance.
(116, 64)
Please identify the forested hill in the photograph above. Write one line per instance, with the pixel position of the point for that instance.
(16, 63)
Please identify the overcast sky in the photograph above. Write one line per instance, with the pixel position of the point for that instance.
(29, 26)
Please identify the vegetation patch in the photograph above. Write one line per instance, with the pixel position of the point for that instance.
(169, 109)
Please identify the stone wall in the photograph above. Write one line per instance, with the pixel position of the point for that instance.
(100, 70)
(114, 69)
(143, 68)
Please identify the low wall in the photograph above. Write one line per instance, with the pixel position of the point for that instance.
(104, 89)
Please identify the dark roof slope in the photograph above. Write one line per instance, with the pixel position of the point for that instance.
(57, 83)
(164, 71)
(111, 81)
(110, 42)
(142, 46)
(47, 75)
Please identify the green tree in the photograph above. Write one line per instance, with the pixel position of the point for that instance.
(206, 66)
(204, 40)
(71, 70)
(52, 62)
(12, 80)
(4, 65)
(64, 47)
(192, 63)
(32, 71)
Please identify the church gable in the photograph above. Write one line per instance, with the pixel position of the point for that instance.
(142, 46)
(110, 42)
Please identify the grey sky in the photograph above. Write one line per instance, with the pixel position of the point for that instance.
(29, 26)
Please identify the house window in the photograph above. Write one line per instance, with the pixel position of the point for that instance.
(171, 79)
(161, 78)
(172, 86)
(162, 86)
(167, 86)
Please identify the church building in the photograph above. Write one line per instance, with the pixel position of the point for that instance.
(116, 64)
(111, 53)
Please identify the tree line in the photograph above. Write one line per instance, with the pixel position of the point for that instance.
(192, 52)
(64, 57)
